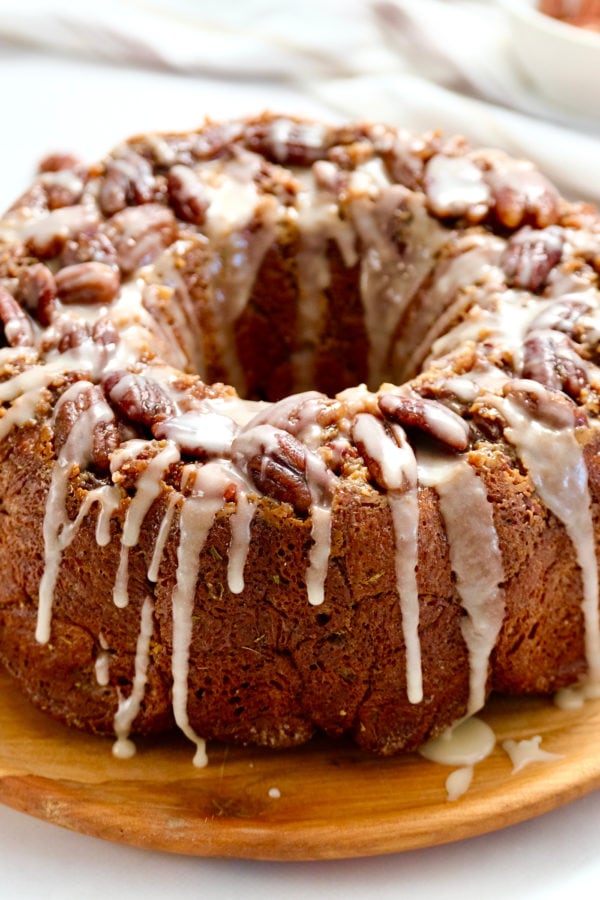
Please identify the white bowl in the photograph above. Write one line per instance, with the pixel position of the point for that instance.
(562, 61)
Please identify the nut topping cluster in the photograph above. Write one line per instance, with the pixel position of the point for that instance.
(88, 233)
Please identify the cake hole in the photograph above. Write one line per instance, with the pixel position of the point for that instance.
(335, 638)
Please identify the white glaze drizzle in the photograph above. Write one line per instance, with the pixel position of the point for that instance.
(163, 533)
(393, 265)
(76, 451)
(317, 217)
(475, 260)
(63, 222)
(202, 431)
(464, 744)
(240, 523)
(458, 782)
(501, 318)
(258, 437)
(455, 186)
(236, 250)
(147, 489)
(165, 293)
(557, 468)
(102, 664)
(129, 706)
(321, 515)
(197, 516)
(297, 414)
(523, 753)
(318, 555)
(21, 412)
(108, 498)
(399, 473)
(475, 558)
(575, 696)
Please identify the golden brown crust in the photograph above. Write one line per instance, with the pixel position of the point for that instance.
(268, 667)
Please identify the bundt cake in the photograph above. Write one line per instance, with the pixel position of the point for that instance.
(299, 434)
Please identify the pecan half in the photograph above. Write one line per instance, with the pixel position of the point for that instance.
(551, 359)
(531, 255)
(486, 423)
(138, 398)
(33, 200)
(385, 451)
(63, 188)
(351, 156)
(128, 180)
(18, 329)
(70, 333)
(550, 407)
(428, 416)
(329, 176)
(521, 194)
(290, 142)
(104, 332)
(187, 195)
(139, 234)
(105, 434)
(36, 290)
(455, 186)
(57, 162)
(60, 225)
(87, 283)
(564, 316)
(277, 464)
(404, 155)
(90, 245)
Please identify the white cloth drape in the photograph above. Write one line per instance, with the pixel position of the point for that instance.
(420, 63)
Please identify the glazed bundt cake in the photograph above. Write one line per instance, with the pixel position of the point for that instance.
(299, 434)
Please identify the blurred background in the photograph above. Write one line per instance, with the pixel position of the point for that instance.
(82, 76)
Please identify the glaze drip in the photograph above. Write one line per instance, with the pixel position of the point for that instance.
(555, 462)
(148, 488)
(198, 512)
(398, 465)
(57, 528)
(475, 559)
(129, 706)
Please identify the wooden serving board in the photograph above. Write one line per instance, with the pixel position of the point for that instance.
(326, 800)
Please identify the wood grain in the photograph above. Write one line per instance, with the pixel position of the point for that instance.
(333, 802)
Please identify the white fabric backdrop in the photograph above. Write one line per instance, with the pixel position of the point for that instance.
(425, 63)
